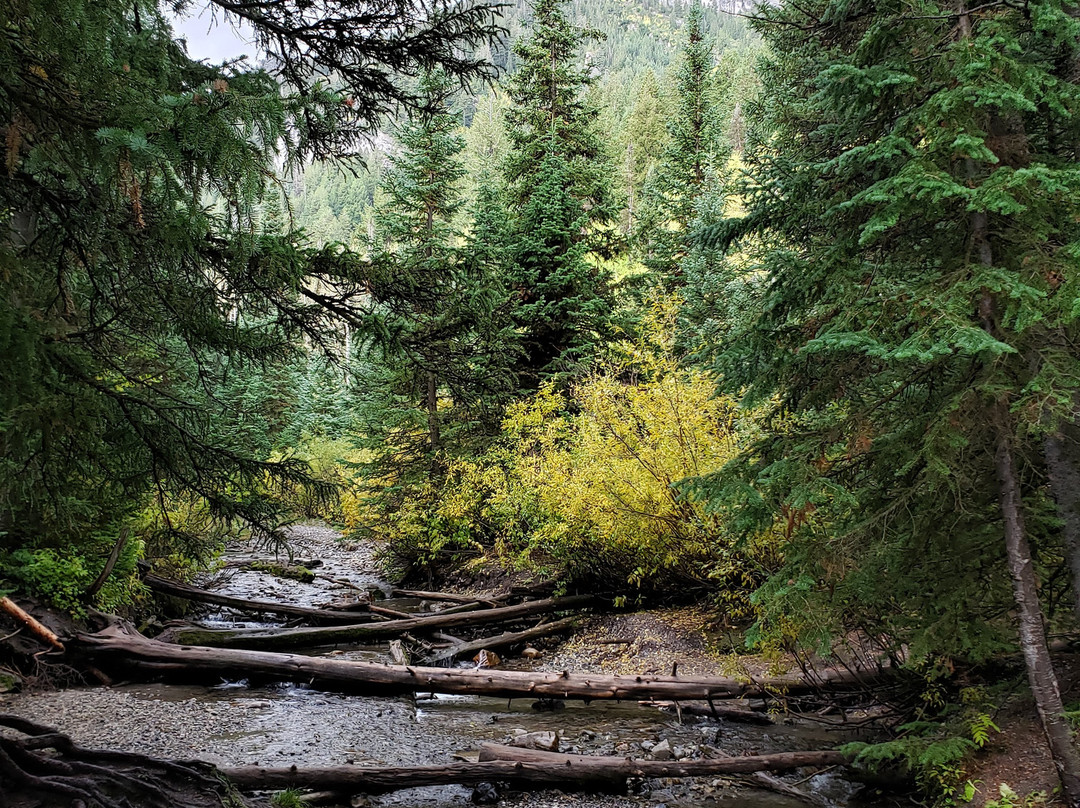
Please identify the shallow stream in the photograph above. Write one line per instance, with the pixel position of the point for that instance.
(284, 725)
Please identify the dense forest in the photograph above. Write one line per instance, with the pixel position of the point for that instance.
(772, 310)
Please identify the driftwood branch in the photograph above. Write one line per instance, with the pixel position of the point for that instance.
(504, 640)
(726, 711)
(42, 632)
(282, 639)
(177, 589)
(448, 597)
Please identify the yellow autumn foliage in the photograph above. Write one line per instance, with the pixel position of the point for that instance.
(583, 485)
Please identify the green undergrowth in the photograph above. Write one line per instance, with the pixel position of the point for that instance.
(936, 748)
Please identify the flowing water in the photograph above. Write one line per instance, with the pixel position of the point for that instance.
(283, 725)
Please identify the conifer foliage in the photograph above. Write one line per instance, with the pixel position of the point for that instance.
(439, 305)
(692, 164)
(134, 268)
(916, 180)
(558, 177)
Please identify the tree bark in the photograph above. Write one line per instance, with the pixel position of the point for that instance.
(281, 639)
(110, 563)
(1063, 471)
(433, 412)
(121, 649)
(42, 632)
(1040, 669)
(520, 767)
(728, 712)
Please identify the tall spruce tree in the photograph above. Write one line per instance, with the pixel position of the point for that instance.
(692, 164)
(558, 177)
(436, 305)
(916, 179)
(125, 296)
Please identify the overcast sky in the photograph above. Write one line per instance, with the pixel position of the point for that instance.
(210, 37)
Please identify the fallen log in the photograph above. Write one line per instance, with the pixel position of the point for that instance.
(123, 650)
(725, 711)
(528, 768)
(39, 630)
(279, 639)
(177, 589)
(449, 597)
(504, 640)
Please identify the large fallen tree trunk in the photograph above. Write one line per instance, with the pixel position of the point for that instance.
(504, 640)
(279, 639)
(121, 649)
(530, 768)
(177, 589)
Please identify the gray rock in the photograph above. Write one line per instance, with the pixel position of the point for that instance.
(545, 741)
(662, 751)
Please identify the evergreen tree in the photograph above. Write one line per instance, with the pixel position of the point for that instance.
(558, 178)
(557, 299)
(916, 179)
(551, 115)
(692, 165)
(645, 138)
(126, 298)
(435, 306)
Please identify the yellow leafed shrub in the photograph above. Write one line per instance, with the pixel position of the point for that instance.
(581, 485)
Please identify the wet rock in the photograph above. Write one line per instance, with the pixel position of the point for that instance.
(662, 751)
(588, 735)
(546, 705)
(545, 741)
(485, 794)
(648, 745)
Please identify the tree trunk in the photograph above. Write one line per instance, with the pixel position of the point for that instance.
(279, 639)
(110, 564)
(42, 632)
(121, 649)
(742, 715)
(504, 640)
(449, 597)
(520, 767)
(1063, 471)
(1041, 676)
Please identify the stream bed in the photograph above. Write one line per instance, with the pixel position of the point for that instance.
(284, 725)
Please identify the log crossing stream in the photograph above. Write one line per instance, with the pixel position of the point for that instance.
(237, 724)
